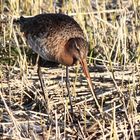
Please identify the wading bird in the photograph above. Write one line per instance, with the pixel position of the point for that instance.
(57, 38)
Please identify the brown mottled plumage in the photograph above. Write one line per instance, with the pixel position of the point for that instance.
(57, 38)
(50, 34)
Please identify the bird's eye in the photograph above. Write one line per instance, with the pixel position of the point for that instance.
(77, 48)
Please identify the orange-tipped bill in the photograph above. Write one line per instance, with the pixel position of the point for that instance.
(86, 72)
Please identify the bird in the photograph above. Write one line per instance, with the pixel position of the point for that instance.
(59, 39)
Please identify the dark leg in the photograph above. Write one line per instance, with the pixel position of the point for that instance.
(41, 80)
(68, 89)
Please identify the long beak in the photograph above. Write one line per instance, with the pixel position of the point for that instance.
(86, 72)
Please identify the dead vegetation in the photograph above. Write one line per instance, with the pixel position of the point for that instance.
(113, 31)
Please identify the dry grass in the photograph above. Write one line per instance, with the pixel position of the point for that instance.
(113, 31)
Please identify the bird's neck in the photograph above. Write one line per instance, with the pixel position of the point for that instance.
(66, 58)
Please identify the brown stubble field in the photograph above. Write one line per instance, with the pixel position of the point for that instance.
(112, 29)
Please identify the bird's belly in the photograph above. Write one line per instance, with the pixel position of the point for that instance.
(38, 46)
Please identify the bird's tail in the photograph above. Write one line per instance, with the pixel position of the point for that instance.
(19, 21)
(22, 22)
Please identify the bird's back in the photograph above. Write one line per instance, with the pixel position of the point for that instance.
(47, 34)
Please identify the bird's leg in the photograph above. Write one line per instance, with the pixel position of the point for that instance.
(68, 89)
(41, 81)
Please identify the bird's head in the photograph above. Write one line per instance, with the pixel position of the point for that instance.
(78, 49)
